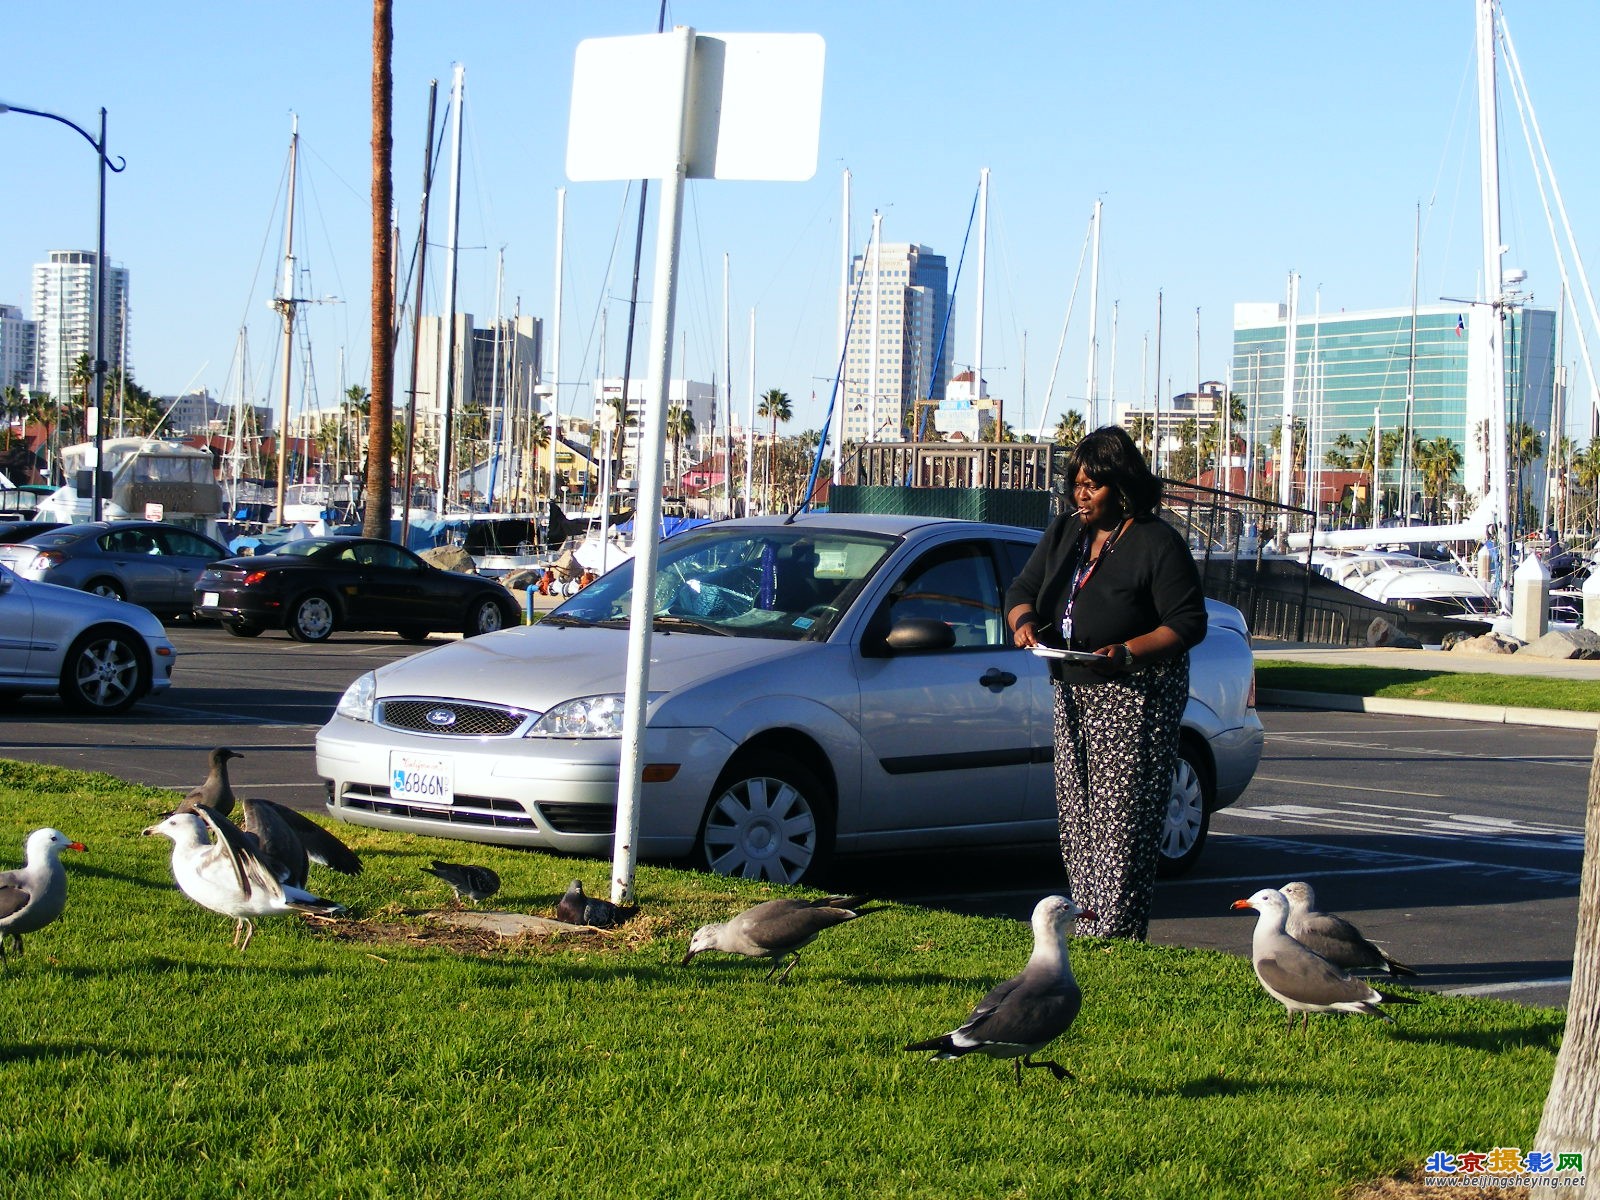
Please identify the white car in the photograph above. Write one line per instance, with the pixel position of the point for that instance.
(99, 654)
(829, 683)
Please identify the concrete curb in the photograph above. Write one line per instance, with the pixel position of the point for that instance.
(1494, 714)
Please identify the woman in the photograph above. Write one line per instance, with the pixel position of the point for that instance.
(1110, 577)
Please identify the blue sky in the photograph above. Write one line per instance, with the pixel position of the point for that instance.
(1229, 142)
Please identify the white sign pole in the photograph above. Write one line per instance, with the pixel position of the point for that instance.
(674, 106)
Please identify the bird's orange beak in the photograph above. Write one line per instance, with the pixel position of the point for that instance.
(76, 846)
(1241, 904)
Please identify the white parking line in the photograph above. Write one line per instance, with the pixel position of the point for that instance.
(1348, 787)
(1520, 985)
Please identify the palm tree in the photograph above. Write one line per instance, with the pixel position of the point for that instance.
(775, 407)
(680, 428)
(1144, 432)
(1438, 459)
(380, 447)
(13, 406)
(1069, 429)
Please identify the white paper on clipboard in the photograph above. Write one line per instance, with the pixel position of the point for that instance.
(1071, 656)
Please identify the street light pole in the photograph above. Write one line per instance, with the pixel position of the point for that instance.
(120, 165)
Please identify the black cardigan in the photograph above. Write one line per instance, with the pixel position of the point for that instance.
(1148, 580)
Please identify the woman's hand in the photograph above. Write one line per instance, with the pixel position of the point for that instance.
(1111, 662)
(1026, 635)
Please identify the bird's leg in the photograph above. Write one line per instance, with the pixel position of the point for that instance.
(1055, 1068)
(249, 932)
(1017, 1063)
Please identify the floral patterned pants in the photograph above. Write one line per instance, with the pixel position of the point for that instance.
(1116, 744)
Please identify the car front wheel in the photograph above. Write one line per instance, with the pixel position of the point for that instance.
(311, 619)
(769, 818)
(103, 672)
(1188, 819)
(109, 588)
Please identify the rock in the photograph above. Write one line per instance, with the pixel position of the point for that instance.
(1454, 638)
(1488, 643)
(523, 579)
(1382, 632)
(503, 924)
(1565, 643)
(449, 558)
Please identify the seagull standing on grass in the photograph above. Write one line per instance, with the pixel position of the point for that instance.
(1331, 936)
(577, 908)
(1300, 979)
(776, 929)
(284, 838)
(215, 867)
(34, 895)
(1027, 1012)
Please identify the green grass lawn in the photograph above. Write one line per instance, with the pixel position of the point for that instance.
(381, 1056)
(1519, 691)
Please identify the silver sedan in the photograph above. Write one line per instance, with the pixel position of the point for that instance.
(835, 683)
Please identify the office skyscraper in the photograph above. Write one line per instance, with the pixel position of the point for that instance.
(64, 311)
(897, 303)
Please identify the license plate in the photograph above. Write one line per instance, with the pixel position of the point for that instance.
(208, 600)
(420, 778)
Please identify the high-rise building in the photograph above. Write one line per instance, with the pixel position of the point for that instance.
(19, 346)
(698, 399)
(1351, 372)
(65, 310)
(896, 308)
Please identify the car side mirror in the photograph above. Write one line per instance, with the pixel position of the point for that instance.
(918, 634)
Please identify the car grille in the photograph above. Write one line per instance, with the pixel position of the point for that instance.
(580, 818)
(450, 718)
(486, 811)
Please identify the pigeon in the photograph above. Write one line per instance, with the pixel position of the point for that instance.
(1338, 941)
(776, 929)
(275, 833)
(216, 792)
(34, 895)
(216, 868)
(1300, 979)
(575, 908)
(1027, 1012)
(470, 882)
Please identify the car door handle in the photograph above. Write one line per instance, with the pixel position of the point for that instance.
(994, 679)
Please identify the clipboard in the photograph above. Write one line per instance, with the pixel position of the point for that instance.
(1081, 657)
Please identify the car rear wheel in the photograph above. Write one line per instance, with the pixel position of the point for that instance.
(1188, 819)
(311, 618)
(413, 633)
(484, 616)
(769, 818)
(103, 672)
(109, 588)
(242, 629)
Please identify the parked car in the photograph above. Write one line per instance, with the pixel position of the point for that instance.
(149, 563)
(317, 585)
(100, 655)
(835, 682)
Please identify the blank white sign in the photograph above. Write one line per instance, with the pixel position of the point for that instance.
(754, 107)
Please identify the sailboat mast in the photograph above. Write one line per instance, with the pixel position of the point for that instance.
(1411, 375)
(977, 351)
(839, 396)
(1092, 381)
(447, 392)
(1286, 429)
(555, 342)
(750, 425)
(727, 399)
(1485, 335)
(285, 306)
(416, 318)
(877, 312)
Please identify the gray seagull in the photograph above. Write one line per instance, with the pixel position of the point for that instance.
(470, 882)
(36, 893)
(1300, 979)
(776, 929)
(1027, 1012)
(287, 841)
(577, 908)
(1331, 936)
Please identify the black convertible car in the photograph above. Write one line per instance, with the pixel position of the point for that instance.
(318, 585)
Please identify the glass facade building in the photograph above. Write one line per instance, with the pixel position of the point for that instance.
(1351, 371)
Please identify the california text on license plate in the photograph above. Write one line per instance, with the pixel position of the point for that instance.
(421, 778)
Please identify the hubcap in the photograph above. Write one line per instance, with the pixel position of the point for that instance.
(761, 828)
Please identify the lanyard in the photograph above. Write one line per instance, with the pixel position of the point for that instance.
(1084, 570)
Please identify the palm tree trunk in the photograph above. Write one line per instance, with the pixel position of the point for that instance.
(380, 411)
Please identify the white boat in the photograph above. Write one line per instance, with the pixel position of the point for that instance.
(151, 479)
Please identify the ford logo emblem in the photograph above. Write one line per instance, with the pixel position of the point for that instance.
(442, 717)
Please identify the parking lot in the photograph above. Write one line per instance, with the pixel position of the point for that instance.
(1457, 844)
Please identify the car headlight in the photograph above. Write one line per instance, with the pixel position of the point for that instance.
(356, 703)
(584, 717)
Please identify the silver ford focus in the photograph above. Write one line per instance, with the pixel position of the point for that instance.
(827, 684)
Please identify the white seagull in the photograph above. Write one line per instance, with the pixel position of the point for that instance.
(1331, 936)
(1027, 1012)
(776, 929)
(1300, 979)
(34, 895)
(216, 868)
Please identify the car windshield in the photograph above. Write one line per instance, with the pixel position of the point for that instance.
(768, 581)
(305, 547)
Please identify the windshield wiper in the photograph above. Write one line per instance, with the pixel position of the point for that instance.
(671, 621)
